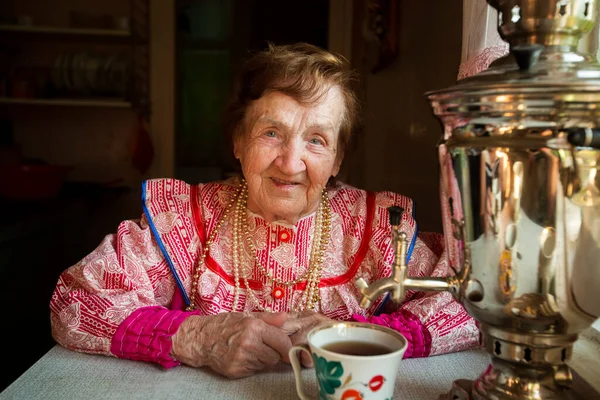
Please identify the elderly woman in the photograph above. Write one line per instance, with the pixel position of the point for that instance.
(231, 274)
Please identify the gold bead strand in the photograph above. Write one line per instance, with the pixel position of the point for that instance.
(315, 278)
(249, 291)
(239, 215)
(325, 238)
(236, 252)
(311, 296)
(209, 242)
(314, 256)
(324, 233)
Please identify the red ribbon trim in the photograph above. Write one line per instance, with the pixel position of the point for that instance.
(257, 285)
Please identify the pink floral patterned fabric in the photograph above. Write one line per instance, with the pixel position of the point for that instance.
(123, 299)
(482, 60)
(417, 335)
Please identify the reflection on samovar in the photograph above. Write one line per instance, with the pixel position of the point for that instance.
(519, 162)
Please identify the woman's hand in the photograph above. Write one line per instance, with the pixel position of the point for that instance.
(297, 327)
(233, 344)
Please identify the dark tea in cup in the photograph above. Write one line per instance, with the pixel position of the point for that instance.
(357, 348)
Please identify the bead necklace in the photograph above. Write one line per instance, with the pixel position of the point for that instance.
(311, 296)
(320, 223)
(209, 242)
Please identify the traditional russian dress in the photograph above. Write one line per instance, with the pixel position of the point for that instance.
(129, 296)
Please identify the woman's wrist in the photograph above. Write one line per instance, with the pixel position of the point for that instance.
(186, 344)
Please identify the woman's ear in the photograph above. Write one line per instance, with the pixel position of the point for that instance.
(336, 168)
(236, 148)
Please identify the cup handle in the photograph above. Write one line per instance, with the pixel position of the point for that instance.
(297, 366)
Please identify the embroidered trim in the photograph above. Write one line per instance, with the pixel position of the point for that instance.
(161, 245)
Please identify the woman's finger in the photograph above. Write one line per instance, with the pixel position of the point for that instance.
(307, 360)
(267, 356)
(274, 319)
(278, 340)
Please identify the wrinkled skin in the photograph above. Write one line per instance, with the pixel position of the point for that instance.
(235, 345)
(298, 326)
(288, 152)
(238, 345)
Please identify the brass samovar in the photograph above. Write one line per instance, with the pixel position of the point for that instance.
(520, 192)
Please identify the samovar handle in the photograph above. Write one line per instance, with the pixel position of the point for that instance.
(584, 137)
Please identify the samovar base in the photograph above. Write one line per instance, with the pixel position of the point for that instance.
(524, 366)
(496, 384)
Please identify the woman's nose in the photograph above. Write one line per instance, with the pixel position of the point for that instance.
(291, 159)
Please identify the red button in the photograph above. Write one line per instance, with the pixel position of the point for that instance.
(278, 292)
(284, 236)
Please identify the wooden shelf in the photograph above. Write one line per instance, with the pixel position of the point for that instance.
(57, 30)
(105, 103)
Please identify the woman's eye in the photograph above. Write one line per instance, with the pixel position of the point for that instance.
(271, 134)
(317, 141)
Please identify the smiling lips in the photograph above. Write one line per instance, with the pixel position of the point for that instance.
(280, 182)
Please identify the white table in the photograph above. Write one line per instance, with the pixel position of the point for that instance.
(64, 374)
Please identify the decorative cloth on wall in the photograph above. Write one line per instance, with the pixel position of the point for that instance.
(482, 43)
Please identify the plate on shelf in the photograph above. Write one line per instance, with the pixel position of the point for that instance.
(57, 72)
(92, 66)
(66, 72)
(107, 73)
(78, 73)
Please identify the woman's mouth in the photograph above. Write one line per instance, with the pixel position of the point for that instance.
(281, 182)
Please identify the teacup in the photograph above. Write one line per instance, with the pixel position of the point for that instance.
(352, 360)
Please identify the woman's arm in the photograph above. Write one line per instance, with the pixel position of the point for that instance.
(116, 300)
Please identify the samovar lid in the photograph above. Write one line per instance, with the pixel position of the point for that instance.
(543, 74)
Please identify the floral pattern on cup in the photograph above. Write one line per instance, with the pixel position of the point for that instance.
(329, 375)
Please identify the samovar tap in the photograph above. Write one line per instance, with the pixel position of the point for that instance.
(399, 282)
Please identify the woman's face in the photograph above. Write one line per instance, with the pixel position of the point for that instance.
(288, 153)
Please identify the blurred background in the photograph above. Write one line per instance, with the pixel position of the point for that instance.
(96, 96)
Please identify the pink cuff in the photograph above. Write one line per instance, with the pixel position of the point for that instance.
(409, 325)
(146, 335)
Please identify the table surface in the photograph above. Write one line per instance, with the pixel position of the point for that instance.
(64, 374)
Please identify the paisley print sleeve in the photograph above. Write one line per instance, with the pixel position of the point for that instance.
(118, 296)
